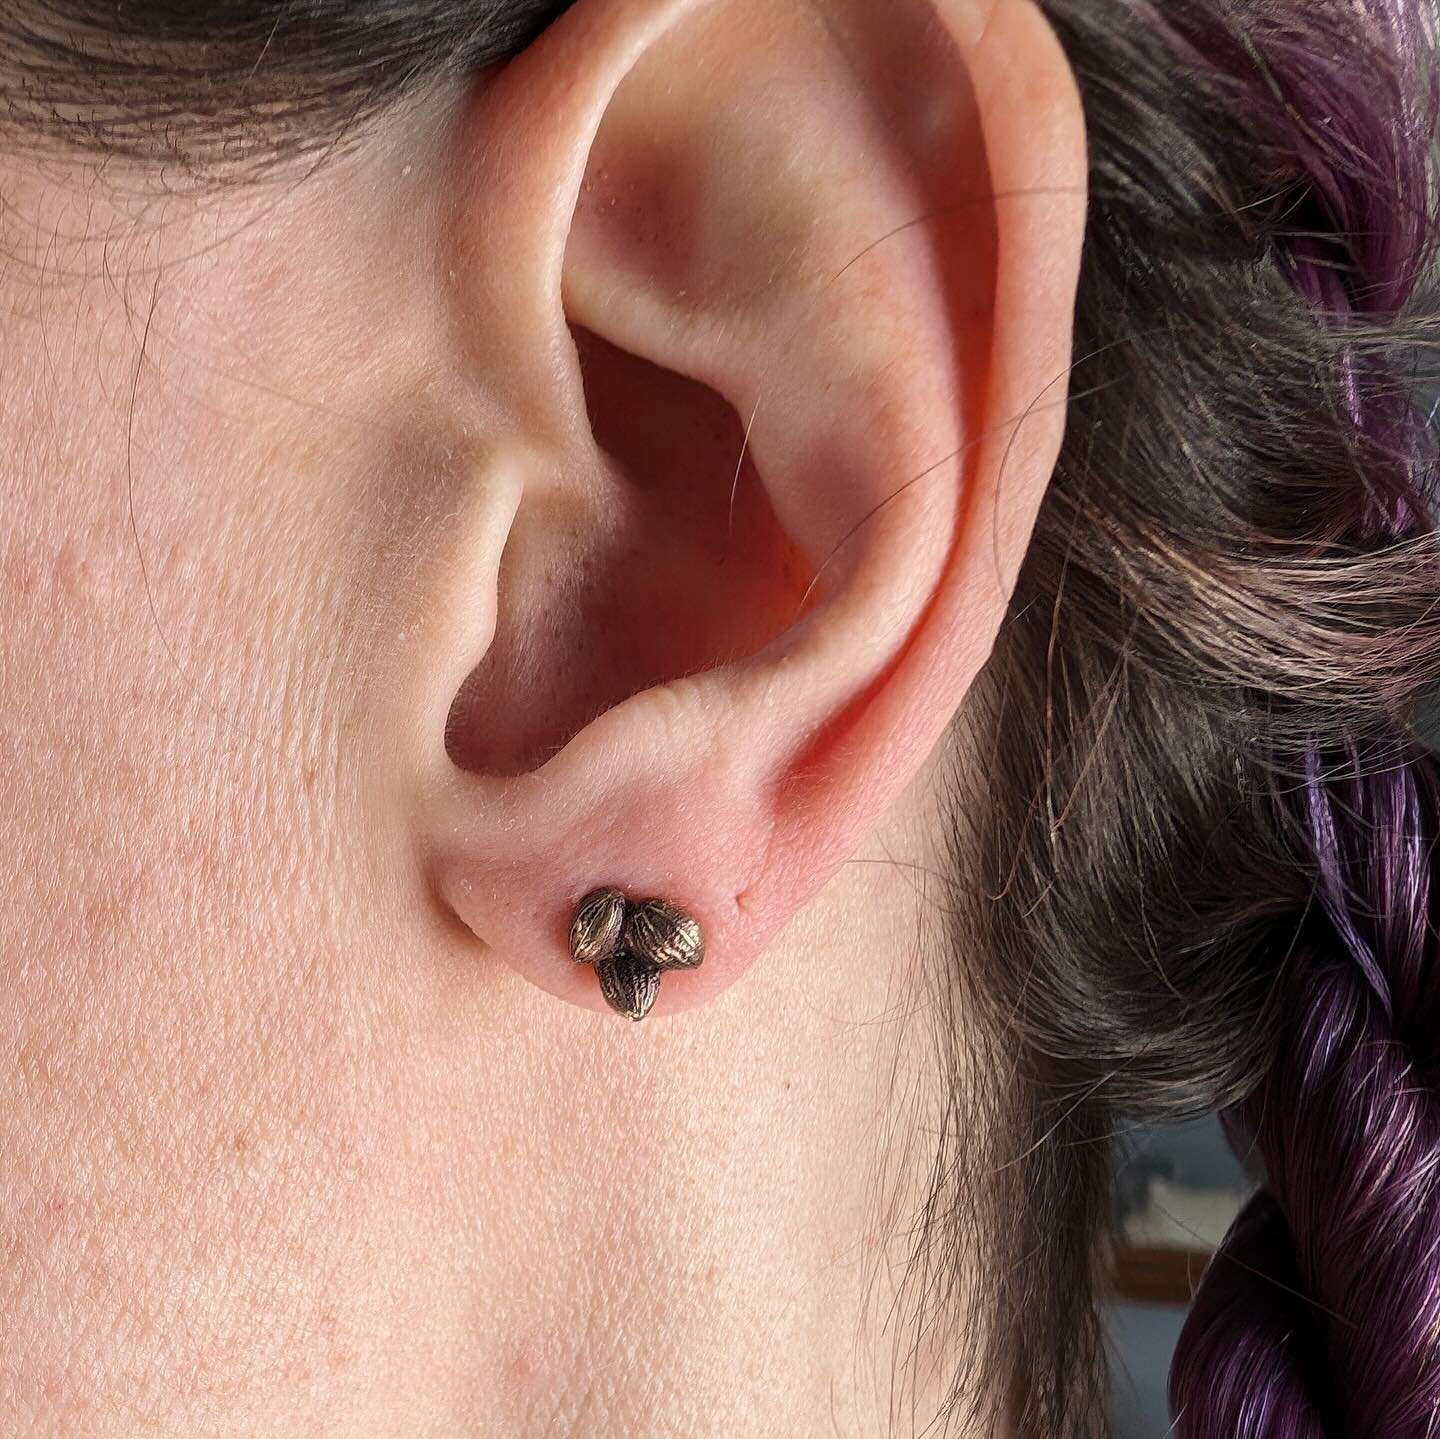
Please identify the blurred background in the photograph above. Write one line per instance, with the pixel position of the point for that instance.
(1179, 1188)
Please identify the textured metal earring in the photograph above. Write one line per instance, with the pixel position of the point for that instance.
(631, 944)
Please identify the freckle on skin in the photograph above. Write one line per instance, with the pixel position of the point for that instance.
(532, 1362)
(19, 575)
(72, 572)
(104, 917)
(34, 1064)
(522, 1364)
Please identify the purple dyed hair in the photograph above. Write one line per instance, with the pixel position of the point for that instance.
(1321, 1314)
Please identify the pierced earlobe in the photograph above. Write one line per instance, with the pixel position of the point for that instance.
(631, 944)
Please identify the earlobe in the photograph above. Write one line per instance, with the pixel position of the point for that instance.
(843, 281)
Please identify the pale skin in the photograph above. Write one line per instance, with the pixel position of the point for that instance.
(310, 1125)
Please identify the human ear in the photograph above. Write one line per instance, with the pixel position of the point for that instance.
(766, 308)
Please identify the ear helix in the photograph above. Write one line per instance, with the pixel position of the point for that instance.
(632, 943)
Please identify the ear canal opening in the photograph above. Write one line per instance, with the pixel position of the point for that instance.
(669, 563)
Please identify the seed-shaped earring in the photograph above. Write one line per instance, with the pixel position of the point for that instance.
(630, 986)
(664, 934)
(595, 930)
(632, 944)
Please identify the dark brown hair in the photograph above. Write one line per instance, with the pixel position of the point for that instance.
(1198, 874)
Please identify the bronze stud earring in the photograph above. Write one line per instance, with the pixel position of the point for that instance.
(631, 944)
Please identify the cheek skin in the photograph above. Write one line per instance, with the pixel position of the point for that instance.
(205, 1176)
(187, 1122)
